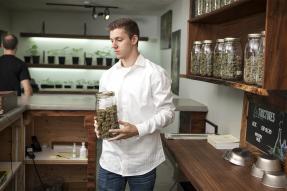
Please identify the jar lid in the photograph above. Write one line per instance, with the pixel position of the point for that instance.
(220, 40)
(231, 39)
(254, 35)
(197, 42)
(207, 41)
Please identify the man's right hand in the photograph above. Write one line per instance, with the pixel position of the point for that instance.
(96, 127)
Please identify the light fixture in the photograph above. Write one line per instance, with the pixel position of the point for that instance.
(106, 13)
(94, 14)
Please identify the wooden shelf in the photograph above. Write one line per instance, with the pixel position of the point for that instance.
(233, 84)
(70, 66)
(6, 166)
(49, 156)
(233, 11)
(76, 36)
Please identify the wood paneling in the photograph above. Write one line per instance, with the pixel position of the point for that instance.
(276, 45)
(192, 122)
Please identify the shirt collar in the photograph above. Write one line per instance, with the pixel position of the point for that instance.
(140, 61)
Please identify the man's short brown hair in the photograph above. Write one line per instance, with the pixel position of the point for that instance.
(129, 25)
(10, 42)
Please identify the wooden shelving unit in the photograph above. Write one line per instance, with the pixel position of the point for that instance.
(66, 127)
(238, 20)
(70, 66)
(12, 149)
(233, 84)
(76, 36)
(49, 156)
(12, 168)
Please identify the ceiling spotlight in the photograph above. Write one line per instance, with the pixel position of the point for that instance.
(94, 14)
(106, 14)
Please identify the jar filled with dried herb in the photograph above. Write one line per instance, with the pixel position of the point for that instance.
(195, 57)
(226, 2)
(251, 58)
(218, 58)
(202, 7)
(106, 113)
(208, 6)
(232, 59)
(261, 60)
(216, 4)
(206, 58)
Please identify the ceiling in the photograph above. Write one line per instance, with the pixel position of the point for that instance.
(128, 7)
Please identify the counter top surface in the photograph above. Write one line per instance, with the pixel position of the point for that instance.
(184, 104)
(88, 102)
(206, 169)
(9, 117)
(59, 102)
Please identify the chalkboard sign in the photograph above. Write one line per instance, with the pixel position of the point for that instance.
(267, 129)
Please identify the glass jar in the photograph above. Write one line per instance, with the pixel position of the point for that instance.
(195, 57)
(206, 58)
(261, 60)
(232, 59)
(251, 58)
(202, 6)
(216, 4)
(208, 6)
(226, 2)
(218, 58)
(106, 112)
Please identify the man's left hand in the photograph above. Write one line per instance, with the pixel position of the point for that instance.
(126, 131)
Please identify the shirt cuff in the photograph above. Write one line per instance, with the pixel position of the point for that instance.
(142, 129)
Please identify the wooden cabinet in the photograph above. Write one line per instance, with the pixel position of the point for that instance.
(61, 127)
(238, 20)
(12, 150)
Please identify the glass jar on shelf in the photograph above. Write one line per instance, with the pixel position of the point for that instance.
(208, 6)
(206, 58)
(261, 60)
(106, 112)
(251, 58)
(195, 57)
(218, 58)
(227, 2)
(216, 4)
(202, 7)
(232, 59)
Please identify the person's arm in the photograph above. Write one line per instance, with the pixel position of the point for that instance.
(27, 87)
(162, 96)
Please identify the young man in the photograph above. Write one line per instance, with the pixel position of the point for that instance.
(13, 71)
(144, 101)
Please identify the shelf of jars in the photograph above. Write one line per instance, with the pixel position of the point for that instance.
(219, 11)
(234, 84)
(241, 28)
(70, 66)
(76, 36)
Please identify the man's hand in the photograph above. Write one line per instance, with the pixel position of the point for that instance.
(96, 127)
(128, 130)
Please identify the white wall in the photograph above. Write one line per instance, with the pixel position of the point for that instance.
(73, 23)
(4, 19)
(224, 103)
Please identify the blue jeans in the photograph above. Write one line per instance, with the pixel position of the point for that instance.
(109, 181)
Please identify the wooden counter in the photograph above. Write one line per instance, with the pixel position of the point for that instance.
(206, 169)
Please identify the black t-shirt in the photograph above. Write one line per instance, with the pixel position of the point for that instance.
(12, 72)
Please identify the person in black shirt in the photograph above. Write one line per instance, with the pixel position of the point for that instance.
(13, 71)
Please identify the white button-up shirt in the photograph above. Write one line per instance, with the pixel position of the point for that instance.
(144, 99)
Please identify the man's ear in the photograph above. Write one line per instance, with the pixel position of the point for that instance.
(135, 39)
